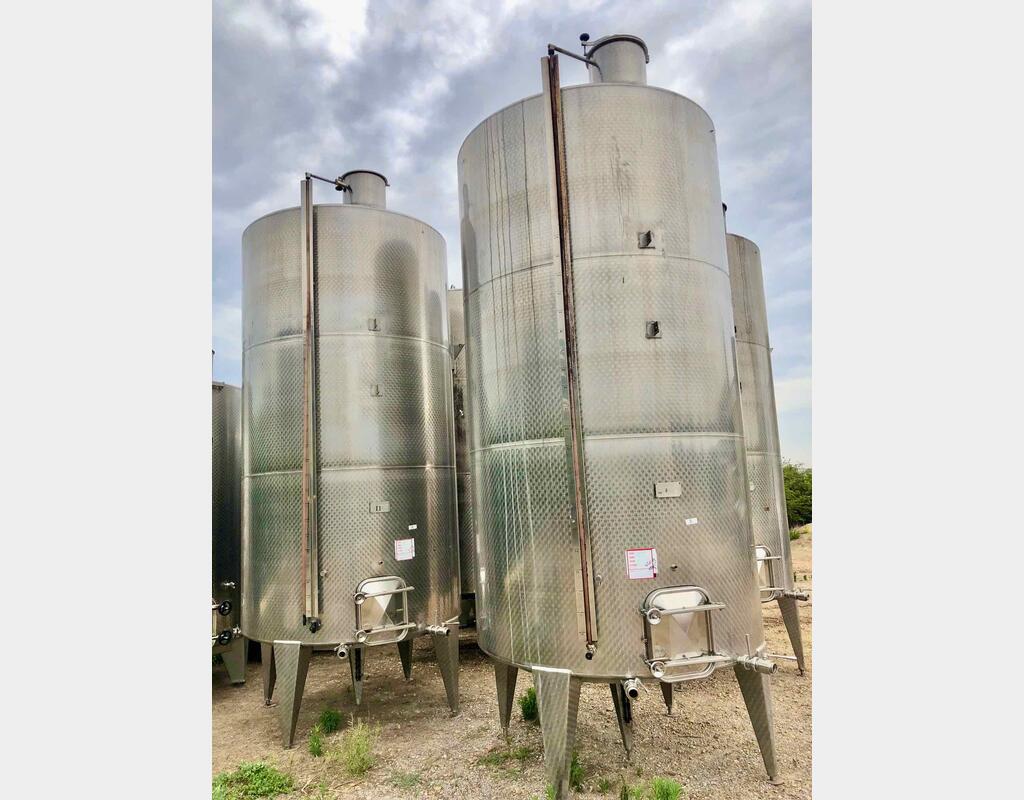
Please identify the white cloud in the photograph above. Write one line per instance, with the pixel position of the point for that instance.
(793, 394)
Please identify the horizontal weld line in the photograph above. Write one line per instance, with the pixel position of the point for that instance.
(352, 469)
(665, 435)
(357, 334)
(762, 452)
(592, 256)
(608, 436)
(755, 344)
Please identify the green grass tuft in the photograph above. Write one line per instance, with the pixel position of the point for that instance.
(252, 779)
(355, 751)
(330, 720)
(405, 780)
(575, 773)
(502, 756)
(665, 789)
(316, 741)
(794, 534)
(528, 705)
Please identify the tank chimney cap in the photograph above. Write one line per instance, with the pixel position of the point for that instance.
(621, 57)
(365, 188)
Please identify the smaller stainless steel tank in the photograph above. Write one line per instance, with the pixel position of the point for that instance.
(467, 543)
(761, 436)
(227, 529)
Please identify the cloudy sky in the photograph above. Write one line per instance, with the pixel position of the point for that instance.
(395, 85)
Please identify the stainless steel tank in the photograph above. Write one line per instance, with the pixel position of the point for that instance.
(467, 544)
(226, 536)
(349, 529)
(609, 487)
(761, 436)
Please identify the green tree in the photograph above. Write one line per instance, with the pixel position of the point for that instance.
(797, 479)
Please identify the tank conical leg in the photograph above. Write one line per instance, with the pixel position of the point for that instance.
(666, 693)
(505, 677)
(624, 715)
(558, 698)
(447, 650)
(757, 694)
(355, 665)
(269, 670)
(235, 658)
(405, 653)
(292, 661)
(791, 617)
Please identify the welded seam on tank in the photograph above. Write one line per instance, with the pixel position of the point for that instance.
(521, 445)
(530, 276)
(590, 437)
(494, 338)
(357, 334)
(372, 467)
(576, 258)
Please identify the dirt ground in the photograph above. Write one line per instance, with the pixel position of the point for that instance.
(707, 745)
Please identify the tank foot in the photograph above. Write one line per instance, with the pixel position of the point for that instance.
(446, 649)
(355, 665)
(405, 653)
(269, 670)
(757, 694)
(235, 658)
(666, 693)
(292, 659)
(558, 698)
(624, 715)
(791, 617)
(505, 678)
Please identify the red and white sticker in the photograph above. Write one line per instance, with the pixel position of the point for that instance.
(642, 562)
(405, 549)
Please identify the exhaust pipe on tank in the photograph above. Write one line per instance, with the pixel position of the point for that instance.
(631, 687)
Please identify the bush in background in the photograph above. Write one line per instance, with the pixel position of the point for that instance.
(797, 479)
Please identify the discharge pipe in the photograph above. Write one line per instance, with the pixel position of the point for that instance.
(631, 687)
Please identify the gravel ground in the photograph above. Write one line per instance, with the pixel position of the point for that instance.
(707, 745)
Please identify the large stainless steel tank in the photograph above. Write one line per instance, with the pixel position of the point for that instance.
(347, 387)
(761, 435)
(227, 528)
(467, 544)
(603, 405)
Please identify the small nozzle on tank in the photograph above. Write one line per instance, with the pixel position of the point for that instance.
(631, 686)
(365, 188)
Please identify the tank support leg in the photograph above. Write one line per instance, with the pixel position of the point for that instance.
(292, 661)
(505, 678)
(791, 617)
(624, 715)
(405, 653)
(235, 658)
(447, 650)
(269, 670)
(757, 694)
(666, 693)
(558, 698)
(355, 665)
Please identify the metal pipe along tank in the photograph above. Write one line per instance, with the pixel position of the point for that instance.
(761, 435)
(349, 530)
(226, 537)
(609, 485)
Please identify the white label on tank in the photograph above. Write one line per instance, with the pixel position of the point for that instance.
(412, 527)
(691, 521)
(405, 549)
(668, 489)
(642, 562)
(380, 507)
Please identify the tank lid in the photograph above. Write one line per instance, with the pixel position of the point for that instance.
(365, 188)
(619, 58)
